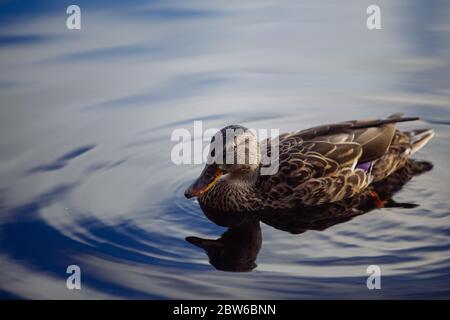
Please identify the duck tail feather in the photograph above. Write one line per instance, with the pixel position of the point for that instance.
(420, 138)
(414, 134)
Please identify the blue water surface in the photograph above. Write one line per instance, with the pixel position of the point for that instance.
(86, 118)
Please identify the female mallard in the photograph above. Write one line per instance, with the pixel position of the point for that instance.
(318, 165)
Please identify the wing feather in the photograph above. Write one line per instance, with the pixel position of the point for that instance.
(317, 165)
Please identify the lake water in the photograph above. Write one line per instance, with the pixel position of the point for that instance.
(86, 117)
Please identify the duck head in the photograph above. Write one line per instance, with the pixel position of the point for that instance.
(234, 152)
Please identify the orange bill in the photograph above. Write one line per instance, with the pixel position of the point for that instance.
(204, 182)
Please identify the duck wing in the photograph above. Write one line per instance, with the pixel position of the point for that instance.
(314, 172)
(318, 165)
(374, 136)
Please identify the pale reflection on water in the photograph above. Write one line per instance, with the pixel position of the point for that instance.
(86, 118)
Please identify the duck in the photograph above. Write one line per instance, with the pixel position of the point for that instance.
(314, 166)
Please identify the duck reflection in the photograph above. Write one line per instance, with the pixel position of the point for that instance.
(238, 247)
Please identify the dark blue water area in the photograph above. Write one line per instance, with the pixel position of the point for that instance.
(62, 161)
(51, 251)
(17, 10)
(24, 40)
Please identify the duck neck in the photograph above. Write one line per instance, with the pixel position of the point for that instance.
(233, 193)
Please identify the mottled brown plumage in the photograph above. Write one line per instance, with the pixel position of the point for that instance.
(316, 166)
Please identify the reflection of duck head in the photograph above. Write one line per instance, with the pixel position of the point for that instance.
(238, 247)
(235, 250)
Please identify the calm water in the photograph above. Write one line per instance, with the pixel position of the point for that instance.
(86, 118)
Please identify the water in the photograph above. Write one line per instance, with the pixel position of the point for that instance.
(86, 119)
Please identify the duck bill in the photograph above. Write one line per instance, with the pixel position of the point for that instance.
(204, 182)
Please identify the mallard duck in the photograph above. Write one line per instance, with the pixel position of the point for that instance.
(319, 165)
